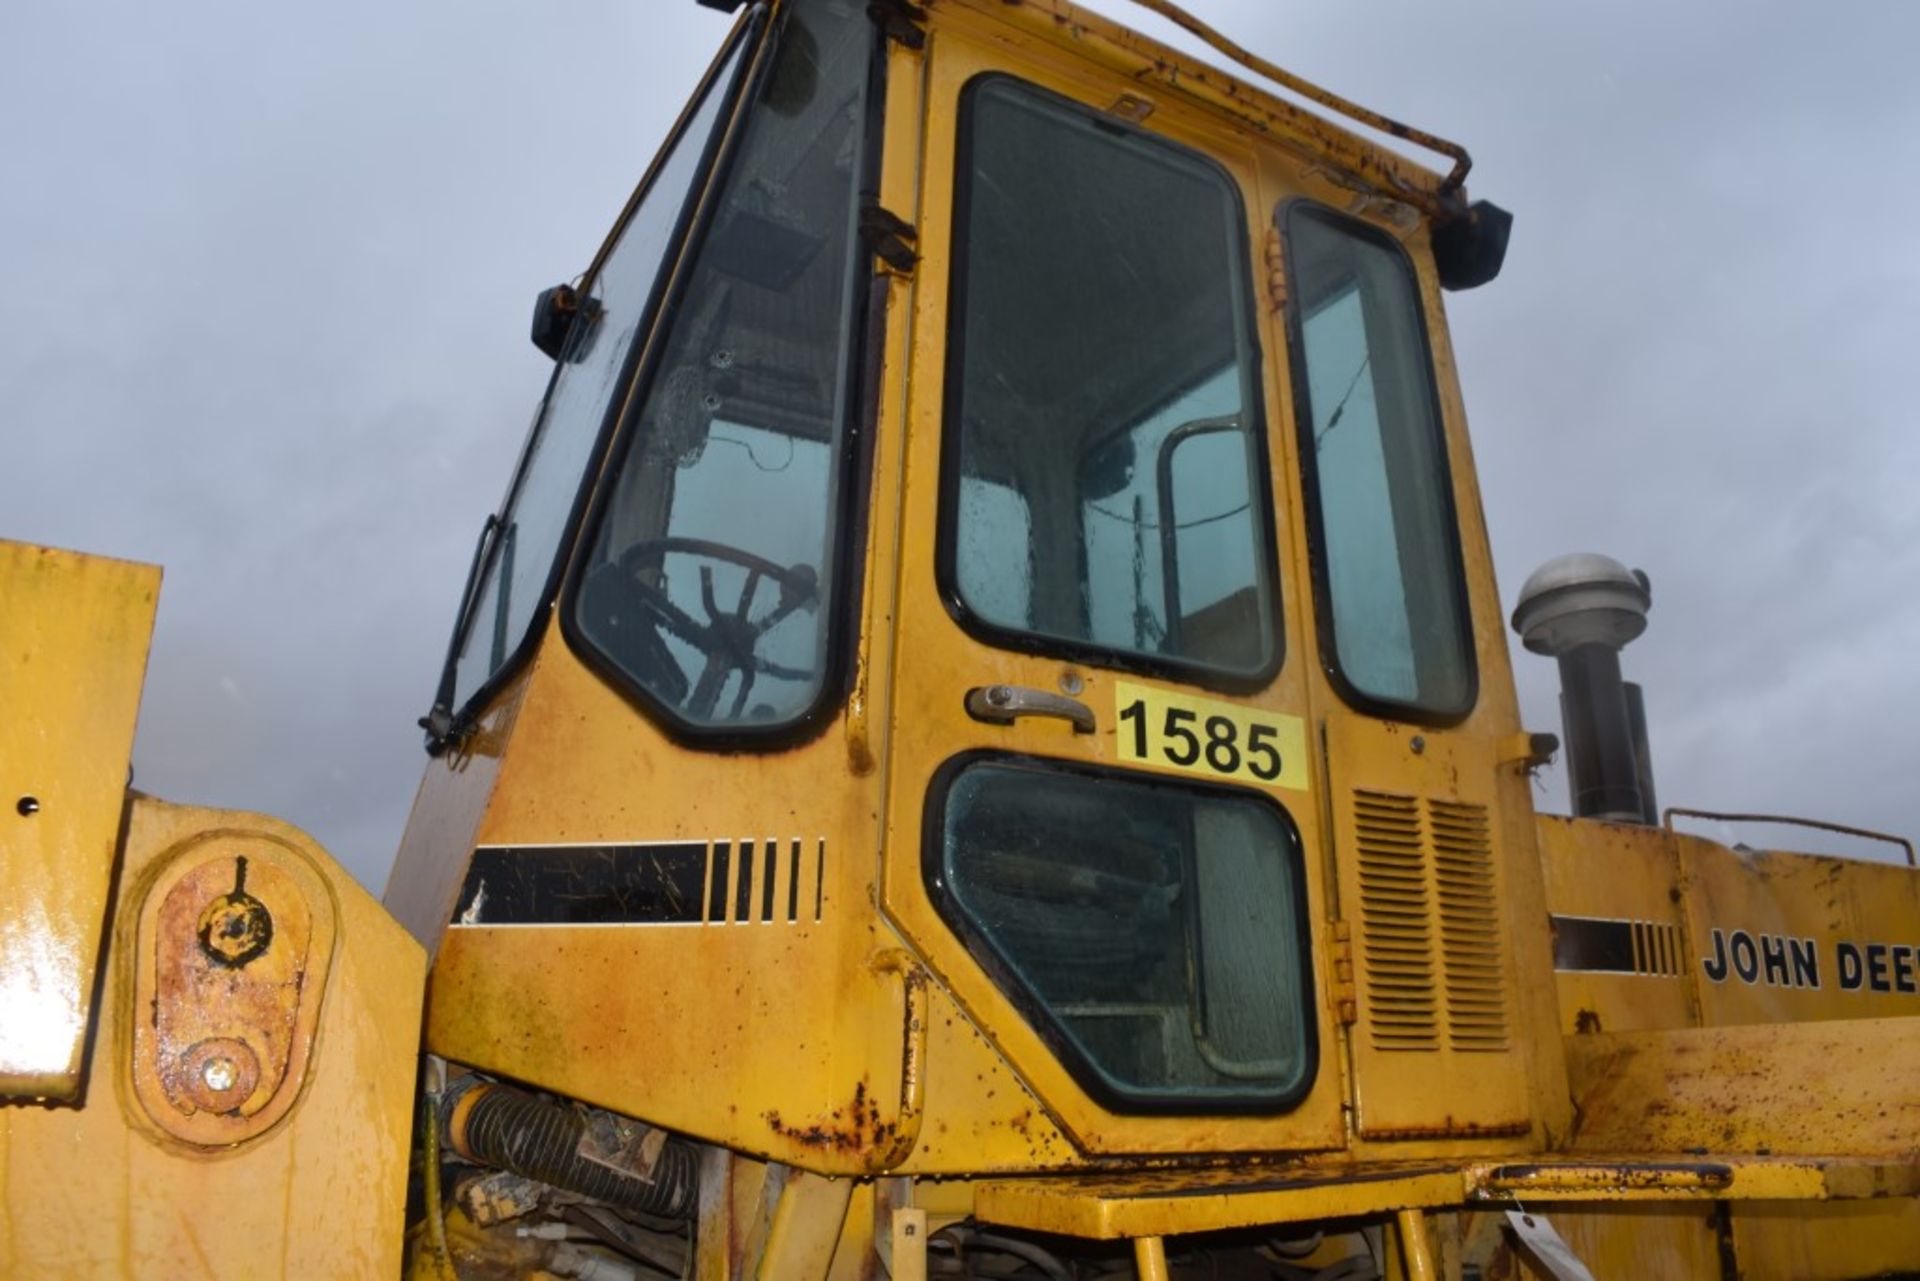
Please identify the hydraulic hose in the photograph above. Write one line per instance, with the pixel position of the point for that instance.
(537, 1139)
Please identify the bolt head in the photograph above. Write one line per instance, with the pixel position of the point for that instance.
(234, 929)
(219, 1075)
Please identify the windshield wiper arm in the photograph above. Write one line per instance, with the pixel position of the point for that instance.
(439, 722)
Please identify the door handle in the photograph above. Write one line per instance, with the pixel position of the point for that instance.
(1004, 704)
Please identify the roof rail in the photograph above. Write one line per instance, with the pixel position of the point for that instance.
(1462, 162)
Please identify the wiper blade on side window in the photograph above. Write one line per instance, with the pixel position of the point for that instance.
(439, 721)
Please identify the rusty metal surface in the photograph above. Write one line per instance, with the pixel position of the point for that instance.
(1462, 162)
(1731, 1178)
(1818, 1089)
(1641, 884)
(1354, 163)
(1440, 1046)
(101, 1190)
(1819, 825)
(1762, 936)
(74, 632)
(235, 935)
(1779, 937)
(1551, 1180)
(1167, 1203)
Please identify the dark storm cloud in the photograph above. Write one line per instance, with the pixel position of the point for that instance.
(1696, 358)
(267, 275)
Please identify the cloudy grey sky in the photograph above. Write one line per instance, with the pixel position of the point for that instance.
(267, 273)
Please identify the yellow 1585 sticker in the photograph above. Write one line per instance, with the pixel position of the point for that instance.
(1206, 736)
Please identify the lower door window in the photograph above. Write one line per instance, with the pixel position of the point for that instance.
(1154, 933)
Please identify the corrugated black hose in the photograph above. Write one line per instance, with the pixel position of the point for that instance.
(539, 1139)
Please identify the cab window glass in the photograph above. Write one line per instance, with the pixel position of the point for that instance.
(998, 531)
(1103, 375)
(1154, 933)
(590, 374)
(712, 574)
(1370, 433)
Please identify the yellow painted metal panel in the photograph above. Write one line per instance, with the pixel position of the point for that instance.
(1833, 1241)
(1615, 871)
(1438, 1046)
(97, 1190)
(1668, 1242)
(806, 1228)
(981, 1118)
(1822, 1088)
(1106, 1208)
(672, 1023)
(73, 654)
(1854, 925)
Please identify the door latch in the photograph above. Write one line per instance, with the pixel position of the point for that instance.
(1004, 704)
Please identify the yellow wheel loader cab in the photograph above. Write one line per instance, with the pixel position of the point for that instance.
(980, 743)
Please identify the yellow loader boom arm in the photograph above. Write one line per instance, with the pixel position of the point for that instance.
(208, 1030)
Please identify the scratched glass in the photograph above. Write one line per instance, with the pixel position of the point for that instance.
(711, 579)
(588, 376)
(1105, 386)
(1390, 553)
(1154, 930)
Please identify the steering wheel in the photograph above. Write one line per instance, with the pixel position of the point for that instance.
(728, 638)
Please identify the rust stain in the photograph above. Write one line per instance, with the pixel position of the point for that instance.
(228, 941)
(1545, 1178)
(855, 1128)
(1450, 1129)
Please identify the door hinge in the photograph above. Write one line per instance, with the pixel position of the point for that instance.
(901, 21)
(1346, 996)
(1276, 271)
(890, 237)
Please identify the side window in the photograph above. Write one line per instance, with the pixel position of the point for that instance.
(1103, 382)
(1380, 496)
(587, 382)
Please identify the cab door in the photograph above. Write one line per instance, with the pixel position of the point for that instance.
(1101, 791)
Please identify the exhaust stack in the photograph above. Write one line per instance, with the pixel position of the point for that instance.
(1583, 609)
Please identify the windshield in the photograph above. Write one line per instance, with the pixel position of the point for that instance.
(593, 368)
(715, 557)
(1106, 473)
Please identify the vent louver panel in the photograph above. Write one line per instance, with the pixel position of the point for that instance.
(1431, 942)
(1470, 937)
(1396, 923)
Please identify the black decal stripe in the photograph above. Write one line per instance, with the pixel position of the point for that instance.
(743, 889)
(1587, 944)
(653, 884)
(717, 888)
(793, 882)
(820, 878)
(766, 879)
